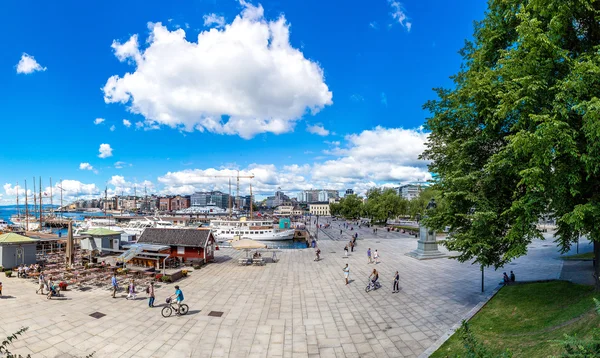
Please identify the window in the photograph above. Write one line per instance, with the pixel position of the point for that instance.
(180, 250)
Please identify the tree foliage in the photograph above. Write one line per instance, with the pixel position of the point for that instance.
(384, 204)
(519, 135)
(350, 207)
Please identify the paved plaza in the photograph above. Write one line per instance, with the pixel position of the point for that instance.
(293, 308)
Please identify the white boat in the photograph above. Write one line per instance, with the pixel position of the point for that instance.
(209, 209)
(31, 223)
(3, 224)
(259, 230)
(137, 227)
(95, 223)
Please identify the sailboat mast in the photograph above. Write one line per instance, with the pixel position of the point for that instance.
(26, 209)
(238, 191)
(18, 208)
(41, 204)
(51, 201)
(34, 198)
(251, 201)
(230, 210)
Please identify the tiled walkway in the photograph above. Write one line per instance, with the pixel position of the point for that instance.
(294, 308)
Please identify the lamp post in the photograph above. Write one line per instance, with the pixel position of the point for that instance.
(317, 235)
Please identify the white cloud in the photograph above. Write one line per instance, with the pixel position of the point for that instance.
(85, 166)
(123, 186)
(14, 190)
(373, 25)
(120, 165)
(378, 155)
(105, 151)
(317, 129)
(28, 65)
(245, 79)
(99, 121)
(398, 13)
(126, 123)
(214, 19)
(112, 128)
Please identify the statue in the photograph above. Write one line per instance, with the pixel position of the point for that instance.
(431, 205)
(427, 247)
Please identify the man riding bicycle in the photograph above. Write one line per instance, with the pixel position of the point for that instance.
(178, 296)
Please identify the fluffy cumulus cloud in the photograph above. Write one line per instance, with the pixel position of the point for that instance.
(317, 129)
(99, 121)
(105, 151)
(377, 157)
(120, 185)
(11, 190)
(85, 166)
(28, 65)
(214, 20)
(399, 15)
(126, 123)
(120, 165)
(242, 79)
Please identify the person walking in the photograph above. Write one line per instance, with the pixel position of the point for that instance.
(369, 255)
(114, 284)
(346, 251)
(347, 273)
(41, 282)
(0, 289)
(376, 257)
(396, 288)
(351, 246)
(150, 292)
(131, 292)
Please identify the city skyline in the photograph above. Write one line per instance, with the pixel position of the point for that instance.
(266, 94)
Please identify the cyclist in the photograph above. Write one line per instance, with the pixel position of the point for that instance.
(178, 296)
(374, 276)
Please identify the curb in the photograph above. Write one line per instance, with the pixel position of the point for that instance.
(435, 346)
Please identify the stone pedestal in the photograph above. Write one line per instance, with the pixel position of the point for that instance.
(427, 246)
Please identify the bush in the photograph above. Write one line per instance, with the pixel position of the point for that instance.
(184, 273)
(166, 278)
(8, 273)
(1, 268)
(197, 267)
(159, 276)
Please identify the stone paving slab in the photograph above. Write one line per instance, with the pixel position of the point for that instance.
(294, 308)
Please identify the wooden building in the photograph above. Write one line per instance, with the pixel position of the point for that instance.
(188, 245)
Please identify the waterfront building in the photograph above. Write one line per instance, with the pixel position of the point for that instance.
(317, 195)
(319, 208)
(349, 192)
(284, 210)
(179, 203)
(188, 245)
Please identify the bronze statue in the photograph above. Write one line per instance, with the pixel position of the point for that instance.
(432, 204)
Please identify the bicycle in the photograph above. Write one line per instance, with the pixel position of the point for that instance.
(168, 310)
(372, 286)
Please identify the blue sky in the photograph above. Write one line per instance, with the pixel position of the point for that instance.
(337, 103)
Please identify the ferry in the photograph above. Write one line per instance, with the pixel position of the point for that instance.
(259, 230)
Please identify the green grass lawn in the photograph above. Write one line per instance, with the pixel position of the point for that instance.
(586, 256)
(528, 319)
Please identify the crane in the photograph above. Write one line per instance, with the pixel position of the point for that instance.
(238, 176)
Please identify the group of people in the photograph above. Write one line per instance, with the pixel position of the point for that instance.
(374, 279)
(23, 271)
(131, 292)
(507, 280)
(49, 285)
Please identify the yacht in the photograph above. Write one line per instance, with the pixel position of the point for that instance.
(209, 209)
(30, 223)
(137, 227)
(93, 223)
(259, 230)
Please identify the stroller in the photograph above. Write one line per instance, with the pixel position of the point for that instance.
(53, 291)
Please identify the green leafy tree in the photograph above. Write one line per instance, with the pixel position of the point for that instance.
(350, 207)
(384, 204)
(519, 135)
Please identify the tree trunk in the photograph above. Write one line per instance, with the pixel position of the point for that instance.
(596, 265)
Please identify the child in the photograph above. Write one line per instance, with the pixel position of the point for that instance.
(0, 289)
(131, 292)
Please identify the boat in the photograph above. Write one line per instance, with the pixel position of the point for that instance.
(3, 225)
(137, 227)
(259, 230)
(209, 209)
(96, 223)
(30, 223)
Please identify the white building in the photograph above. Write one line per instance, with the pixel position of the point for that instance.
(284, 210)
(409, 191)
(319, 209)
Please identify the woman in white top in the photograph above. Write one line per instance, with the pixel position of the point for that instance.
(347, 273)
